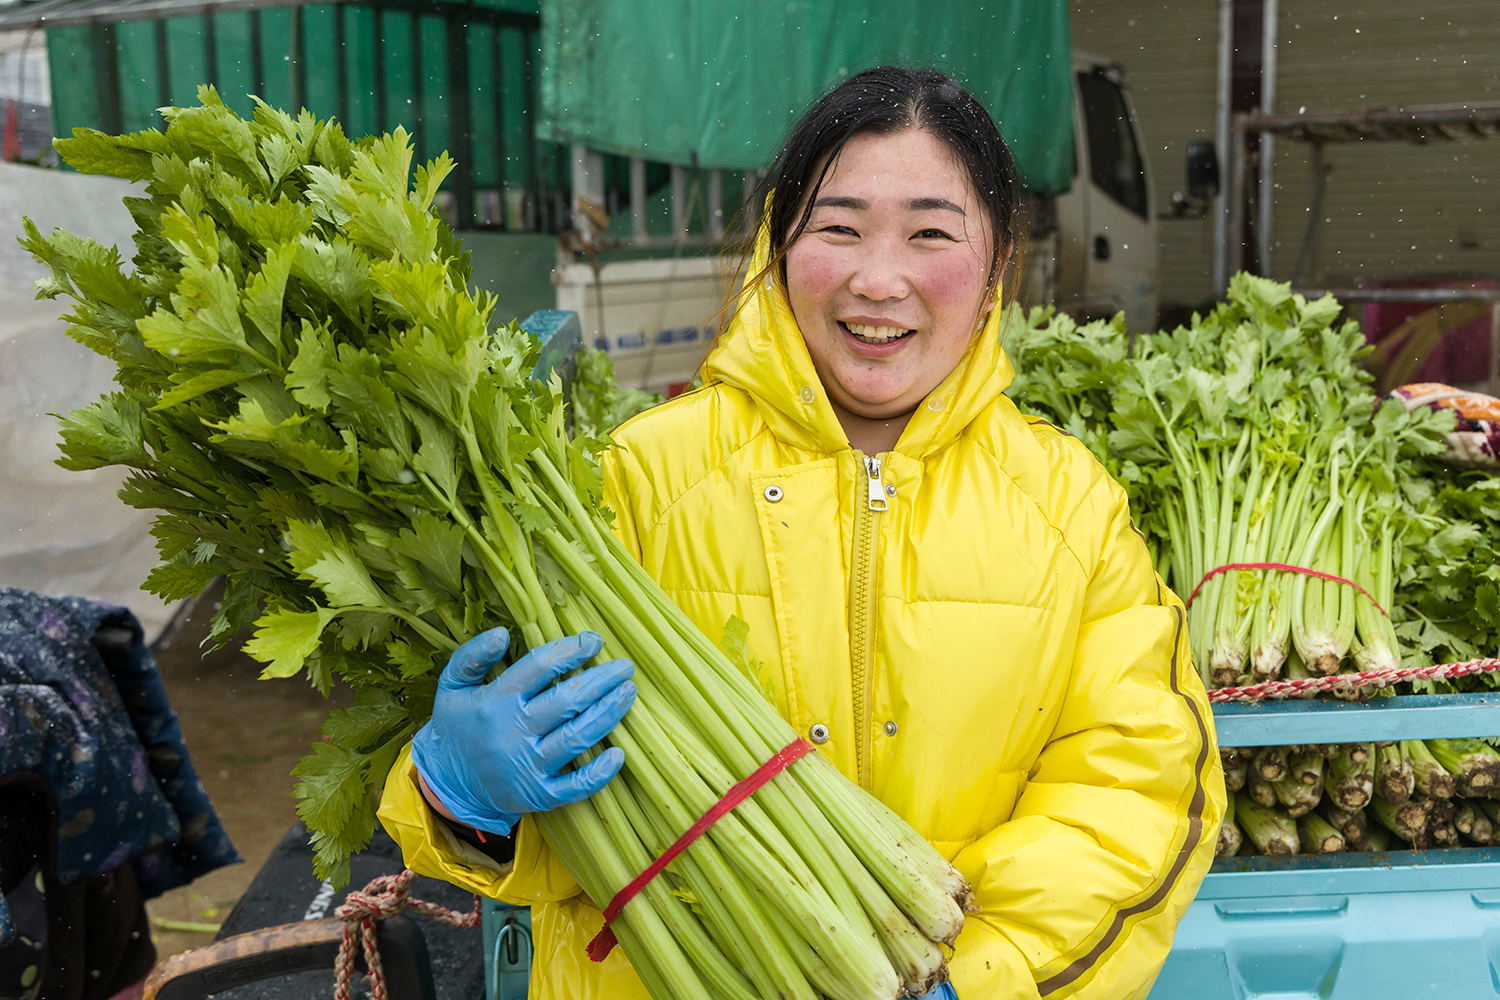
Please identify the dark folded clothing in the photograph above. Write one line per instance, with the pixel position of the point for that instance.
(82, 705)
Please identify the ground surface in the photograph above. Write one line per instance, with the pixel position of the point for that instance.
(244, 735)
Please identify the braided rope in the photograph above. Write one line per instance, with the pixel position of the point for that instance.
(384, 897)
(1364, 679)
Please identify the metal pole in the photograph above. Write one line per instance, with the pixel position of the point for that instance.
(341, 61)
(163, 63)
(502, 167)
(1315, 241)
(534, 171)
(210, 49)
(716, 203)
(415, 21)
(638, 199)
(460, 127)
(1234, 243)
(295, 50)
(1222, 139)
(679, 202)
(377, 58)
(257, 54)
(1265, 201)
(588, 183)
(106, 51)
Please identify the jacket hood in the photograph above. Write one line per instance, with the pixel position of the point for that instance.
(762, 351)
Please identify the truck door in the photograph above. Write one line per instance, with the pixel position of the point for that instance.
(1118, 235)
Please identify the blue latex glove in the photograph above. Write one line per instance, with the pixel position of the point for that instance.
(493, 751)
(943, 992)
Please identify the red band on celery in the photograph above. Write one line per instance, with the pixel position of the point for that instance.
(604, 941)
(1286, 569)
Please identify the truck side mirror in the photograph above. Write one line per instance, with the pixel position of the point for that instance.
(1202, 170)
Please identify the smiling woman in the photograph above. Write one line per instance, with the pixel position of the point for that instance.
(889, 279)
(947, 596)
(893, 207)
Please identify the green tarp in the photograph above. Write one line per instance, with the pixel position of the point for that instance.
(718, 82)
(372, 68)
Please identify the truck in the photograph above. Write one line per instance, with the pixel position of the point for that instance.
(1090, 249)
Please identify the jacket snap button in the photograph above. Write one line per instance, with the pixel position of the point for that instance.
(891, 728)
(773, 493)
(806, 395)
(890, 489)
(818, 733)
(935, 404)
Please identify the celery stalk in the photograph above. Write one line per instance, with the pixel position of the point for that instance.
(1375, 838)
(1272, 831)
(1474, 764)
(1233, 762)
(1351, 823)
(1316, 835)
(1394, 778)
(1407, 821)
(1351, 778)
(1230, 839)
(1430, 778)
(1271, 763)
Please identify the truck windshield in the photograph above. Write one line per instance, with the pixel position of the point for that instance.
(1114, 159)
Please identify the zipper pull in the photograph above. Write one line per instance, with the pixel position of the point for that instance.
(877, 488)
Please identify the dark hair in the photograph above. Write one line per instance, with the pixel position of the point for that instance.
(883, 101)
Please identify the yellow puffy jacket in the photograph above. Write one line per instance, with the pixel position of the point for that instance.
(977, 630)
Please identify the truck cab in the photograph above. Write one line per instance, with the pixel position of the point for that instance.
(1093, 248)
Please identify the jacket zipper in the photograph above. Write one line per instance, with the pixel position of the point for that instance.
(862, 610)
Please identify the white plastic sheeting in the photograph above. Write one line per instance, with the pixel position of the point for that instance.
(61, 532)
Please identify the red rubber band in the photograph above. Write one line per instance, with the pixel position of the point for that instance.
(604, 941)
(1286, 569)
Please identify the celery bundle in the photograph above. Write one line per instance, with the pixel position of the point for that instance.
(1414, 794)
(325, 414)
(1250, 436)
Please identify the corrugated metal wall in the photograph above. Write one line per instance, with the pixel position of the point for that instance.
(1169, 51)
(1390, 210)
(458, 77)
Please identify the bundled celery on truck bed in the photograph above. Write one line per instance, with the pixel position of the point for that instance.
(1448, 577)
(1411, 794)
(1253, 436)
(325, 414)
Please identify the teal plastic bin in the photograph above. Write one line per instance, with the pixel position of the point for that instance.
(506, 934)
(1394, 926)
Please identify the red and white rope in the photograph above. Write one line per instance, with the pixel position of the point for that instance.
(1364, 679)
(384, 897)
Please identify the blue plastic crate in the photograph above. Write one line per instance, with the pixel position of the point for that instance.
(1393, 926)
(1409, 717)
(506, 933)
(560, 334)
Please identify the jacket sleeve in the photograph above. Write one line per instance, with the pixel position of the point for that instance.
(536, 875)
(1079, 892)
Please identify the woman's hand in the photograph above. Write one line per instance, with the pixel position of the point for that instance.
(493, 751)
